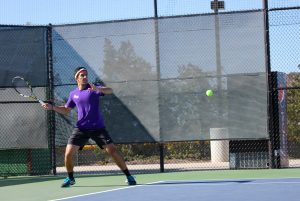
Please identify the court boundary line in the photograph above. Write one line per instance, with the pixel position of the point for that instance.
(111, 190)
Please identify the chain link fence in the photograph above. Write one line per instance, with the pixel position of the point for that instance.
(284, 53)
(164, 122)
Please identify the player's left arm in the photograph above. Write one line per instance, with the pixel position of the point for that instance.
(101, 89)
(105, 90)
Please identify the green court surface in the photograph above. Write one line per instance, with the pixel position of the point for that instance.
(40, 188)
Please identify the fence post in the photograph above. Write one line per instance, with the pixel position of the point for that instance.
(161, 157)
(50, 97)
(161, 145)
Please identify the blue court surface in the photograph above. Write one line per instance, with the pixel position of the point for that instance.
(287, 189)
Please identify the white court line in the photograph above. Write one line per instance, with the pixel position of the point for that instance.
(117, 189)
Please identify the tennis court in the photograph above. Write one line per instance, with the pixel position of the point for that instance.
(209, 190)
(197, 185)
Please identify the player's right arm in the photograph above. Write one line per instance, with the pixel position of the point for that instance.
(60, 109)
(65, 109)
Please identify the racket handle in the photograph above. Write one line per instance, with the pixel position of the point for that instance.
(41, 102)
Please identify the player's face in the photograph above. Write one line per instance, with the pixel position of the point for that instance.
(82, 77)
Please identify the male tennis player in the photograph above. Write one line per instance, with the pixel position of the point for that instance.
(90, 124)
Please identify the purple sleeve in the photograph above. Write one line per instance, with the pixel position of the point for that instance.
(70, 103)
(98, 86)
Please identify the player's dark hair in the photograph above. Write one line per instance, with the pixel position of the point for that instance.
(78, 69)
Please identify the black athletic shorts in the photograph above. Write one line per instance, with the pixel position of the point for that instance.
(80, 137)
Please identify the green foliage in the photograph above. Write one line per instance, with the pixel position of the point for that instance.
(150, 152)
(196, 150)
(293, 108)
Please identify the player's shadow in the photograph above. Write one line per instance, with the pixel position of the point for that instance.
(27, 180)
(98, 186)
(171, 183)
(201, 182)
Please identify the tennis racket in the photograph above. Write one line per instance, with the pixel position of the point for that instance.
(24, 88)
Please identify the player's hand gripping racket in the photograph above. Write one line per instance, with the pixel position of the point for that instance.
(24, 88)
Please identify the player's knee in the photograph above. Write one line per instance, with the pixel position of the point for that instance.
(68, 156)
(111, 149)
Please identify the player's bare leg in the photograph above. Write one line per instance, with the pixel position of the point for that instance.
(112, 150)
(119, 160)
(70, 151)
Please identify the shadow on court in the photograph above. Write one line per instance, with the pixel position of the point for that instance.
(201, 182)
(25, 180)
(168, 183)
(35, 179)
(98, 186)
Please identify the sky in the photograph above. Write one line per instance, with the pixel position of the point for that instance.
(284, 32)
(42, 12)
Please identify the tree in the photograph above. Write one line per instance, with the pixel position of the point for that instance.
(293, 108)
(124, 64)
(184, 104)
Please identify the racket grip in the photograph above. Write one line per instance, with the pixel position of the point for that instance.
(41, 102)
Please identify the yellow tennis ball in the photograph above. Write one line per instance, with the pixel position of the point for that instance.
(209, 92)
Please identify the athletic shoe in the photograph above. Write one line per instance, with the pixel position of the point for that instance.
(68, 182)
(130, 180)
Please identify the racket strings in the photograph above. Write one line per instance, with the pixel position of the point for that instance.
(22, 87)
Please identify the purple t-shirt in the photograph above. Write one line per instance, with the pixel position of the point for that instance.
(88, 108)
